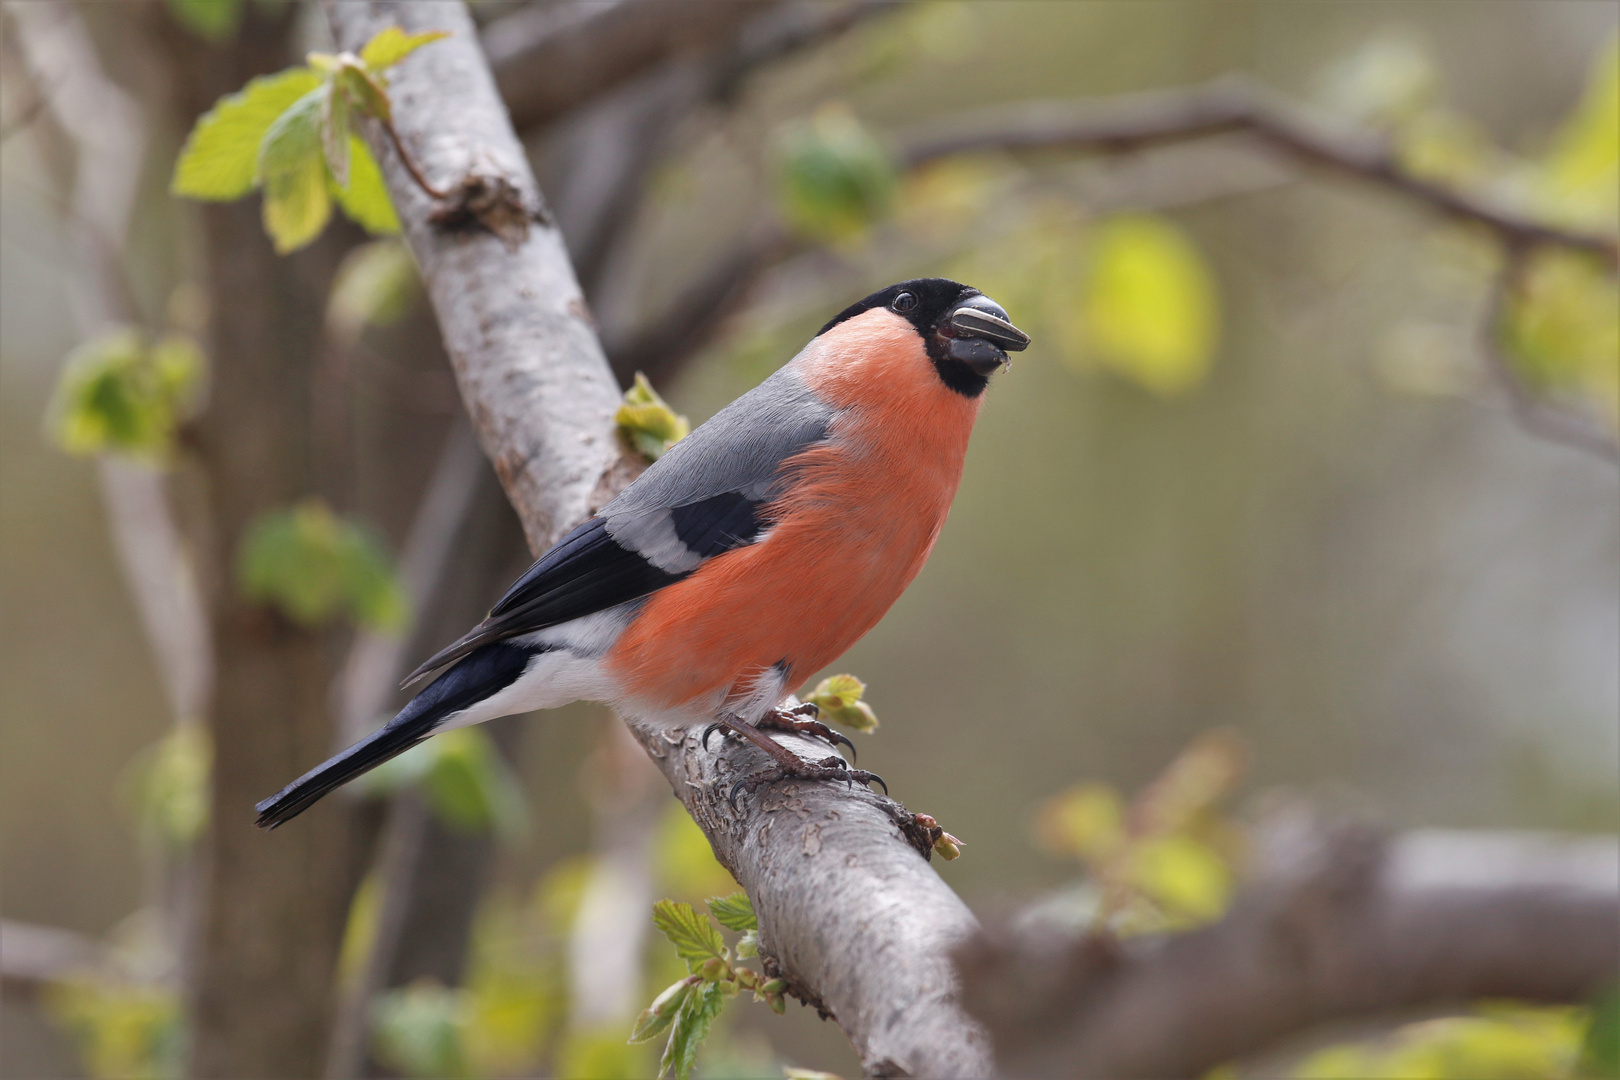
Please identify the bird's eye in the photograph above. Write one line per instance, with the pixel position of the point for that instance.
(904, 302)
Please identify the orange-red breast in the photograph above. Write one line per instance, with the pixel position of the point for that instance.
(749, 556)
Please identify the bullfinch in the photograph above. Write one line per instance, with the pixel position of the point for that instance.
(746, 558)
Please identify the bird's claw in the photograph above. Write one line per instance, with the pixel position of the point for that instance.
(785, 721)
(710, 730)
(832, 768)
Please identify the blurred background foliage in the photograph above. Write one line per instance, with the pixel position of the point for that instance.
(1248, 514)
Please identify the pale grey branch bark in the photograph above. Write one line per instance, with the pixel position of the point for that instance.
(518, 333)
(1337, 922)
(849, 908)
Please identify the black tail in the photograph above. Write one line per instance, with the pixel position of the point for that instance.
(482, 674)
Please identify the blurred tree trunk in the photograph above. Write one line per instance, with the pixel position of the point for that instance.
(272, 907)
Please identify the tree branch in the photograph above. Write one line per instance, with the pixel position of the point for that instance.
(1337, 923)
(548, 59)
(517, 331)
(1229, 105)
(860, 925)
(848, 907)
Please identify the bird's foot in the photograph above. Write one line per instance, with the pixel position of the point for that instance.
(831, 768)
(778, 720)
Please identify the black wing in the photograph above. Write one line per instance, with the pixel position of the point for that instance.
(588, 571)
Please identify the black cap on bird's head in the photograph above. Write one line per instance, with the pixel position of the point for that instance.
(967, 334)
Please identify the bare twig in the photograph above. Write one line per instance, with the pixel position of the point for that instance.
(1535, 415)
(1224, 106)
(1337, 923)
(409, 162)
(551, 58)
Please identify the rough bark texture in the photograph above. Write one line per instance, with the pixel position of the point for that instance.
(851, 910)
(849, 907)
(1337, 923)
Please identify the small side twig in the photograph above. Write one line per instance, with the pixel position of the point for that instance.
(406, 160)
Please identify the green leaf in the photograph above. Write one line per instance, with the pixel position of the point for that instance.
(335, 136)
(1087, 821)
(1600, 1049)
(694, 937)
(647, 422)
(691, 1027)
(375, 285)
(1583, 166)
(734, 912)
(661, 1013)
(390, 45)
(365, 200)
(1149, 305)
(312, 566)
(835, 180)
(212, 20)
(421, 1029)
(471, 788)
(292, 168)
(1564, 330)
(220, 159)
(838, 697)
(117, 394)
(123, 1029)
(168, 782)
(364, 88)
(748, 945)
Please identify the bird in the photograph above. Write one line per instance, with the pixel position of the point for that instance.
(749, 556)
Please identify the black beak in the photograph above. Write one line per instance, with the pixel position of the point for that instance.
(982, 335)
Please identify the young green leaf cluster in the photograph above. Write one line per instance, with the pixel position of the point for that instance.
(647, 423)
(312, 565)
(292, 135)
(121, 393)
(838, 698)
(689, 1007)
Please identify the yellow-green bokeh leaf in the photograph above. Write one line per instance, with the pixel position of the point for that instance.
(168, 786)
(1563, 330)
(1087, 821)
(1183, 877)
(1583, 165)
(212, 20)
(313, 566)
(419, 1029)
(1149, 306)
(121, 394)
(375, 285)
(123, 1029)
(293, 172)
(1504, 1043)
(835, 179)
(364, 200)
(220, 159)
(390, 45)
